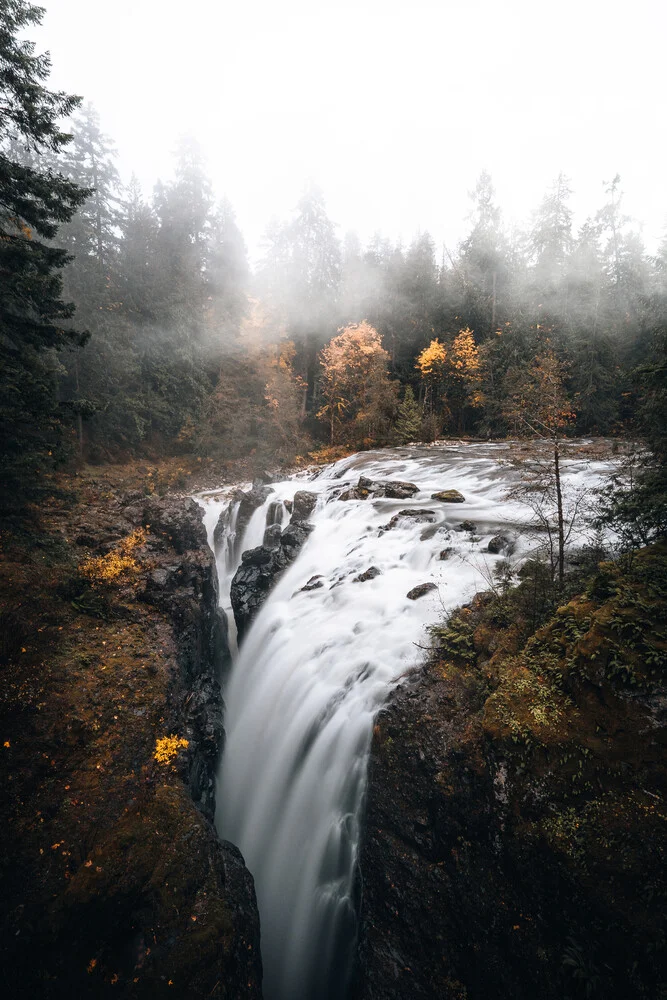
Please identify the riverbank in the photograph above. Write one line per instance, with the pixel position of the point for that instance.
(516, 828)
(113, 881)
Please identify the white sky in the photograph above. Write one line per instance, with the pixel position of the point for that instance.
(392, 106)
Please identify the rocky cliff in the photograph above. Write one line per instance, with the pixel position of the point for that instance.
(516, 818)
(114, 879)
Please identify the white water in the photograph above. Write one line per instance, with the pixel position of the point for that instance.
(316, 666)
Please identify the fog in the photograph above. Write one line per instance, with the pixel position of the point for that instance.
(392, 108)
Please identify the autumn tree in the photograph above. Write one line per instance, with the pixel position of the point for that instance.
(466, 376)
(359, 398)
(432, 367)
(537, 404)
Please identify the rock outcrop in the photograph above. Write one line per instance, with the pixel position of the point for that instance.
(261, 567)
(514, 832)
(123, 885)
(370, 488)
(248, 503)
(185, 588)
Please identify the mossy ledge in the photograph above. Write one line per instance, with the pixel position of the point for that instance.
(113, 878)
(515, 830)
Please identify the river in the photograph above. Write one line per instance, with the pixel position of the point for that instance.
(317, 664)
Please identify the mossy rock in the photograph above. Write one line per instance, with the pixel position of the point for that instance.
(449, 496)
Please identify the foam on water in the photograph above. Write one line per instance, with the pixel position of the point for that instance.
(316, 666)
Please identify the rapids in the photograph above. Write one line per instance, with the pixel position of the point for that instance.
(316, 666)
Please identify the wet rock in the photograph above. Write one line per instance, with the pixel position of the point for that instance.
(274, 513)
(368, 574)
(446, 553)
(352, 494)
(259, 570)
(288, 506)
(448, 496)
(417, 515)
(224, 520)
(256, 557)
(468, 526)
(303, 505)
(272, 536)
(314, 583)
(293, 537)
(500, 543)
(249, 502)
(420, 590)
(394, 489)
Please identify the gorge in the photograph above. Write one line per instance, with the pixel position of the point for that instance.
(389, 541)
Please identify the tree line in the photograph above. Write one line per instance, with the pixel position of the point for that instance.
(135, 325)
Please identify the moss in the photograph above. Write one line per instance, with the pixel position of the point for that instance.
(105, 858)
(544, 847)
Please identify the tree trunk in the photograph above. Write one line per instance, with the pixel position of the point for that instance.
(493, 304)
(79, 418)
(561, 527)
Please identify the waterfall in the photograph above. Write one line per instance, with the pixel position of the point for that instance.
(317, 664)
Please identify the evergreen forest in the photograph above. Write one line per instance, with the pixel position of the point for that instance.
(133, 323)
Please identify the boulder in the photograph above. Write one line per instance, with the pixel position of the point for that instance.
(420, 590)
(256, 557)
(368, 574)
(303, 505)
(398, 490)
(449, 496)
(500, 543)
(394, 489)
(314, 583)
(352, 494)
(417, 515)
(445, 553)
(468, 526)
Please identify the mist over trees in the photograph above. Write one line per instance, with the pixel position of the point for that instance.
(187, 349)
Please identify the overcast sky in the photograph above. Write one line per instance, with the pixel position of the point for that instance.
(392, 106)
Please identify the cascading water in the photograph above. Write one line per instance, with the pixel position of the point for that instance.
(317, 664)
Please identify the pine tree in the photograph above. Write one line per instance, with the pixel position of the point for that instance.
(482, 263)
(34, 320)
(91, 237)
(550, 241)
(409, 419)
(227, 272)
(136, 270)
